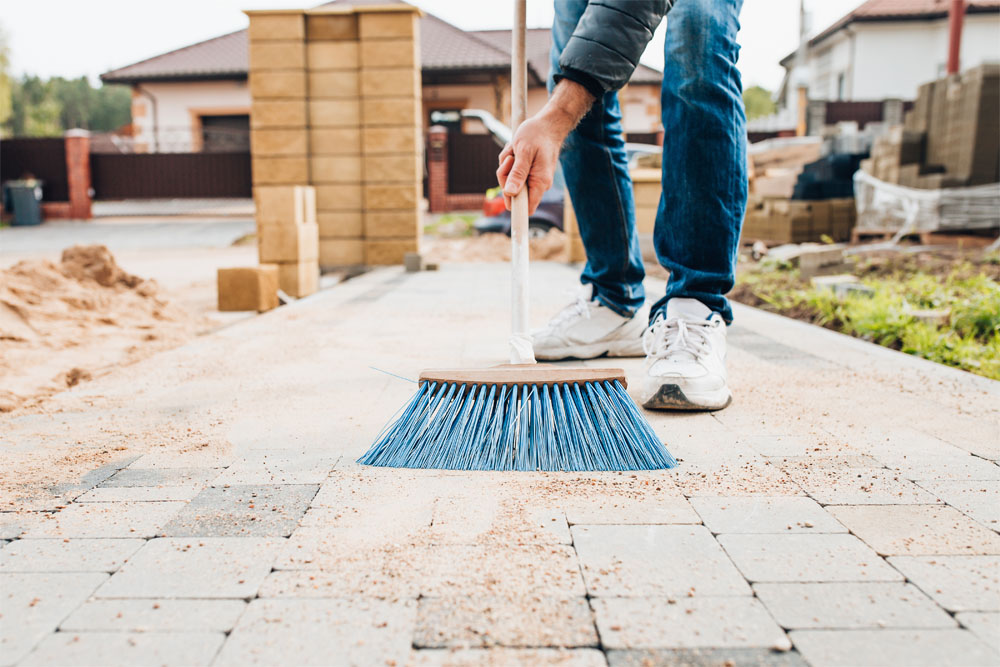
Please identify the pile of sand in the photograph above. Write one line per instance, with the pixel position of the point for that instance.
(62, 324)
(494, 248)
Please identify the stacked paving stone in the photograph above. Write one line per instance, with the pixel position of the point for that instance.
(336, 106)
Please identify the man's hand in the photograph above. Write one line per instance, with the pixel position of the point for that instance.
(533, 153)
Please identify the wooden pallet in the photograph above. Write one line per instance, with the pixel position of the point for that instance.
(953, 239)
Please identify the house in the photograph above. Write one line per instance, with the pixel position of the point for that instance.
(196, 98)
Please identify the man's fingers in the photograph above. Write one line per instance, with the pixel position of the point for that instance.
(518, 174)
(507, 151)
(504, 169)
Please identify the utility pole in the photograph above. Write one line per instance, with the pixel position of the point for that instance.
(956, 15)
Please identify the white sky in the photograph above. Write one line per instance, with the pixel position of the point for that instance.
(71, 38)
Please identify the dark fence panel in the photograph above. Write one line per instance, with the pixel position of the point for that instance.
(472, 163)
(170, 175)
(43, 158)
(862, 112)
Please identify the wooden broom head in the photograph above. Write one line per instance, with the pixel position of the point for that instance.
(519, 374)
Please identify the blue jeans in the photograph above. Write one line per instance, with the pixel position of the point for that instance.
(704, 165)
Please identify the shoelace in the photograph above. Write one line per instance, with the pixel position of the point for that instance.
(669, 338)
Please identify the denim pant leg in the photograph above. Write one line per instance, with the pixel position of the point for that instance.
(704, 153)
(595, 168)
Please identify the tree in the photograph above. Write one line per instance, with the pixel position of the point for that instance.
(48, 108)
(758, 102)
(5, 82)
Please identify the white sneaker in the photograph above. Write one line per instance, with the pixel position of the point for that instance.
(686, 359)
(586, 329)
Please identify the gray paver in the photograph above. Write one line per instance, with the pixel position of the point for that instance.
(241, 511)
(855, 486)
(891, 648)
(497, 621)
(983, 624)
(321, 632)
(119, 494)
(761, 514)
(31, 606)
(154, 616)
(280, 467)
(687, 622)
(851, 606)
(206, 567)
(70, 555)
(110, 649)
(655, 560)
(979, 500)
(806, 558)
(198, 458)
(917, 529)
(957, 583)
(161, 477)
(705, 657)
(107, 520)
(506, 657)
(15, 524)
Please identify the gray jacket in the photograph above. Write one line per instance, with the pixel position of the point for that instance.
(608, 41)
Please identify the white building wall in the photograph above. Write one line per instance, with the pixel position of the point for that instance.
(178, 105)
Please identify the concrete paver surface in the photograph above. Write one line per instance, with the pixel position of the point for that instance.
(208, 508)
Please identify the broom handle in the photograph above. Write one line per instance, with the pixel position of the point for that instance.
(520, 341)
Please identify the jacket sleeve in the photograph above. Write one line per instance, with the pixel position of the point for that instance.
(610, 37)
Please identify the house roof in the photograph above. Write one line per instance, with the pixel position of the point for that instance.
(443, 48)
(897, 10)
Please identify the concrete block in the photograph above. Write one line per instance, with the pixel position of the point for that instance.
(804, 558)
(957, 583)
(761, 514)
(335, 141)
(341, 224)
(249, 288)
(132, 477)
(154, 616)
(702, 657)
(332, 55)
(387, 140)
(265, 56)
(298, 279)
(645, 219)
(392, 224)
(120, 494)
(389, 251)
(274, 26)
(266, 142)
(332, 27)
(859, 487)
(400, 196)
(260, 510)
(390, 111)
(977, 499)
(283, 83)
(278, 113)
(394, 168)
(285, 204)
(279, 467)
(103, 520)
(338, 252)
(413, 262)
(338, 197)
(391, 82)
(67, 555)
(913, 648)
(335, 168)
(333, 83)
(288, 243)
(389, 53)
(276, 170)
(334, 113)
(916, 530)
(387, 25)
(127, 648)
(985, 625)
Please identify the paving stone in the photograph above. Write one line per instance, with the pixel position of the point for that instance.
(119, 494)
(15, 524)
(517, 570)
(128, 519)
(686, 622)
(917, 529)
(320, 632)
(279, 467)
(497, 621)
(780, 445)
(891, 648)
(69, 555)
(161, 477)
(957, 583)
(824, 461)
(851, 606)
(735, 480)
(655, 560)
(459, 521)
(94, 477)
(985, 625)
(154, 616)
(198, 458)
(240, 511)
(965, 468)
(855, 486)
(979, 500)
(506, 657)
(110, 649)
(206, 567)
(761, 514)
(705, 657)
(31, 606)
(806, 558)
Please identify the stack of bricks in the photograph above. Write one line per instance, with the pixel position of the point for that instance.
(358, 138)
(288, 236)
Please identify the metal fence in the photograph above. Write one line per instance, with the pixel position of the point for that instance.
(42, 158)
(170, 175)
(472, 163)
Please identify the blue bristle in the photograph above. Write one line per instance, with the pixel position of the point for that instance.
(578, 426)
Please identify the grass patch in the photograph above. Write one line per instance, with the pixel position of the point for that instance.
(452, 225)
(943, 309)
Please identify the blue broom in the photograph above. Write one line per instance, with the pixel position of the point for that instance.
(521, 416)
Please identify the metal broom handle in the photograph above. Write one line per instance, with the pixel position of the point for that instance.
(520, 340)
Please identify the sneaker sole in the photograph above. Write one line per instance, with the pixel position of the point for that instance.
(672, 397)
(593, 351)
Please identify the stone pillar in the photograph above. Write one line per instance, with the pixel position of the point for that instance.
(78, 174)
(892, 112)
(437, 168)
